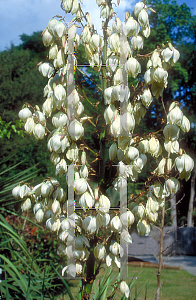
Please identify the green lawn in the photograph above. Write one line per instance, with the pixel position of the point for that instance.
(177, 284)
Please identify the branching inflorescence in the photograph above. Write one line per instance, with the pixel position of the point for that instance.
(115, 56)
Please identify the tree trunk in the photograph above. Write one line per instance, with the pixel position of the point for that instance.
(191, 200)
(173, 211)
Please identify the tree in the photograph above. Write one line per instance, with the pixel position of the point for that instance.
(119, 109)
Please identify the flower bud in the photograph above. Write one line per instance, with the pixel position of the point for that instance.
(113, 151)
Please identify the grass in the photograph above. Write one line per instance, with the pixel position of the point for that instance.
(177, 284)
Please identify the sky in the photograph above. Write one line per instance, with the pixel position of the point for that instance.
(26, 16)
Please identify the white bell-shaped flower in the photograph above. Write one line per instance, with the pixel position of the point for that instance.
(61, 167)
(124, 288)
(146, 98)
(171, 132)
(156, 60)
(113, 151)
(100, 252)
(185, 125)
(160, 76)
(114, 42)
(116, 249)
(175, 116)
(154, 147)
(143, 146)
(185, 165)
(116, 224)
(47, 38)
(116, 25)
(59, 30)
(53, 51)
(29, 125)
(104, 204)
(90, 224)
(46, 69)
(152, 205)
(76, 130)
(67, 6)
(143, 18)
(138, 7)
(59, 119)
(132, 153)
(127, 218)
(143, 228)
(51, 24)
(86, 201)
(128, 122)
(157, 189)
(107, 95)
(39, 131)
(48, 107)
(131, 27)
(133, 66)
(26, 205)
(24, 114)
(73, 152)
(39, 215)
(137, 42)
(160, 170)
(80, 186)
(146, 31)
(171, 186)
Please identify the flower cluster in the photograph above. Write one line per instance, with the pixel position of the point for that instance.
(118, 48)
